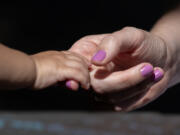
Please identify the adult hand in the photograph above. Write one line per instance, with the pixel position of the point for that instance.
(133, 67)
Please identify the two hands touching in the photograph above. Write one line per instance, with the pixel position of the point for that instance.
(128, 68)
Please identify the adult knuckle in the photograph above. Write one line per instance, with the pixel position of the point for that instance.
(87, 37)
(111, 39)
(133, 30)
(128, 28)
(138, 34)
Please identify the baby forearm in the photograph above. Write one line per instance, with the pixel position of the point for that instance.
(17, 70)
(168, 28)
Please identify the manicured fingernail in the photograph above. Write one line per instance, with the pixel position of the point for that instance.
(99, 56)
(147, 70)
(158, 75)
(68, 84)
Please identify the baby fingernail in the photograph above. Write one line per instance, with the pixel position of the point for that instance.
(158, 75)
(68, 84)
(147, 70)
(99, 56)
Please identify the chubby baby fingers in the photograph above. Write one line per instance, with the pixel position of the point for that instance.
(77, 74)
(72, 85)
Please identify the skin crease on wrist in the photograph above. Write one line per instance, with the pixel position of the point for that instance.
(168, 28)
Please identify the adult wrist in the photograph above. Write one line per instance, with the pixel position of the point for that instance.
(173, 52)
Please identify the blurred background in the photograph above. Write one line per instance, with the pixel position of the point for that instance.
(38, 25)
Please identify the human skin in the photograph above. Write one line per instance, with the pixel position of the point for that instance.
(41, 70)
(118, 78)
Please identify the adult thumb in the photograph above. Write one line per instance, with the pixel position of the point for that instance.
(124, 41)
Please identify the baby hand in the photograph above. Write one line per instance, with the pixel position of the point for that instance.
(56, 66)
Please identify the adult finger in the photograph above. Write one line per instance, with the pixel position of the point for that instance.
(144, 97)
(122, 80)
(124, 95)
(131, 92)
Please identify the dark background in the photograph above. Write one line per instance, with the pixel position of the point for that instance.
(38, 25)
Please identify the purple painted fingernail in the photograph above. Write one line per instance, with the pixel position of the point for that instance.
(158, 75)
(147, 70)
(99, 56)
(68, 84)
